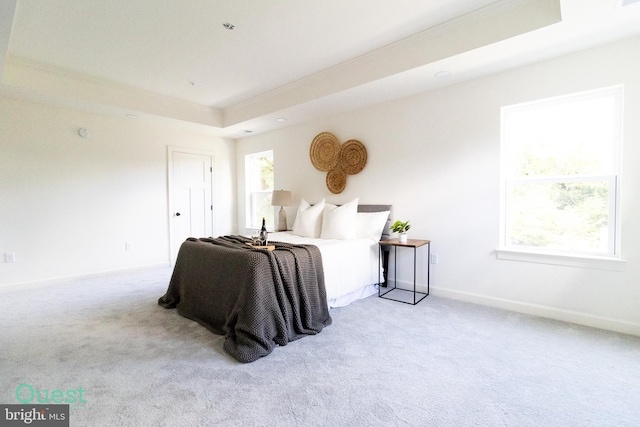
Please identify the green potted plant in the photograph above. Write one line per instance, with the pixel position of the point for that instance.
(401, 227)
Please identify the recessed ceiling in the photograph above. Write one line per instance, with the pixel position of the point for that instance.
(162, 45)
(283, 59)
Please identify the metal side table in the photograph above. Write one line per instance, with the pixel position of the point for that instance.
(397, 294)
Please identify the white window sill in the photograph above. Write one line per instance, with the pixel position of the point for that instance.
(582, 261)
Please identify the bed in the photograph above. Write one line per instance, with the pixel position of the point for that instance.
(344, 282)
(260, 299)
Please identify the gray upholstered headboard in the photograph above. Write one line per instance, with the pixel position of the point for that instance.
(386, 233)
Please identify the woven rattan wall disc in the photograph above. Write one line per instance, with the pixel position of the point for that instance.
(353, 157)
(336, 181)
(324, 151)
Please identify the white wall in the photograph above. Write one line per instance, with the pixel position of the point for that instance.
(68, 205)
(435, 157)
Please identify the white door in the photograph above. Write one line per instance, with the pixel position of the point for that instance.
(191, 206)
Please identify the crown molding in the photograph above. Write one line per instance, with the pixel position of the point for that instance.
(31, 79)
(494, 23)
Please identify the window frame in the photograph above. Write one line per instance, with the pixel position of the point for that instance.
(612, 257)
(250, 192)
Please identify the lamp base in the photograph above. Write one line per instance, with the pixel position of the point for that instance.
(282, 219)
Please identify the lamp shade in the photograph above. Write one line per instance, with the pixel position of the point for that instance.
(281, 198)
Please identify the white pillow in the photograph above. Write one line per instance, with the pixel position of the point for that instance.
(308, 219)
(339, 222)
(371, 224)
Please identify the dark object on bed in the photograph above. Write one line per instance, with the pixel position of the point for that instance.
(257, 298)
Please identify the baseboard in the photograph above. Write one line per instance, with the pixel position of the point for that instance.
(585, 319)
(50, 281)
(607, 323)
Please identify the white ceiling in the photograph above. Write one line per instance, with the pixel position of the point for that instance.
(285, 58)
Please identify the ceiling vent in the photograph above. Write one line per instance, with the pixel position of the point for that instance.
(624, 3)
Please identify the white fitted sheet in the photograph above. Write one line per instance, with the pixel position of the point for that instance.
(350, 266)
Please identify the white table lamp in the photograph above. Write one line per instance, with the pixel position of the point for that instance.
(281, 198)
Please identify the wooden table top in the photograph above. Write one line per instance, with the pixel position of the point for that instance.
(413, 243)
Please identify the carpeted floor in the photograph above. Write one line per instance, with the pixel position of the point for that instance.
(381, 363)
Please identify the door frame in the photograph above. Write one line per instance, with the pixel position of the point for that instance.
(171, 149)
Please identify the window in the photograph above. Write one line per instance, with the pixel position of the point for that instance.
(560, 174)
(259, 186)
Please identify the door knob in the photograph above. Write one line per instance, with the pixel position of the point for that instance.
(177, 213)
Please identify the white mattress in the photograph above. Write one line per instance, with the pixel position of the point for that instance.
(350, 266)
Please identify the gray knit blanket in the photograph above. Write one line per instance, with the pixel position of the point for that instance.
(258, 299)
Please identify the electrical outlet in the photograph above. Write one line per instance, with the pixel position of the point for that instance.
(434, 258)
(10, 257)
(128, 246)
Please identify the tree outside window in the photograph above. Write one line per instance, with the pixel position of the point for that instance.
(560, 160)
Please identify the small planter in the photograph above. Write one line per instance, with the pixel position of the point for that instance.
(401, 227)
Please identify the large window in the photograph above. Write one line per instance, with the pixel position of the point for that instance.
(560, 174)
(259, 186)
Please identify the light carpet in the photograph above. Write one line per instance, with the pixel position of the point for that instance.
(381, 363)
